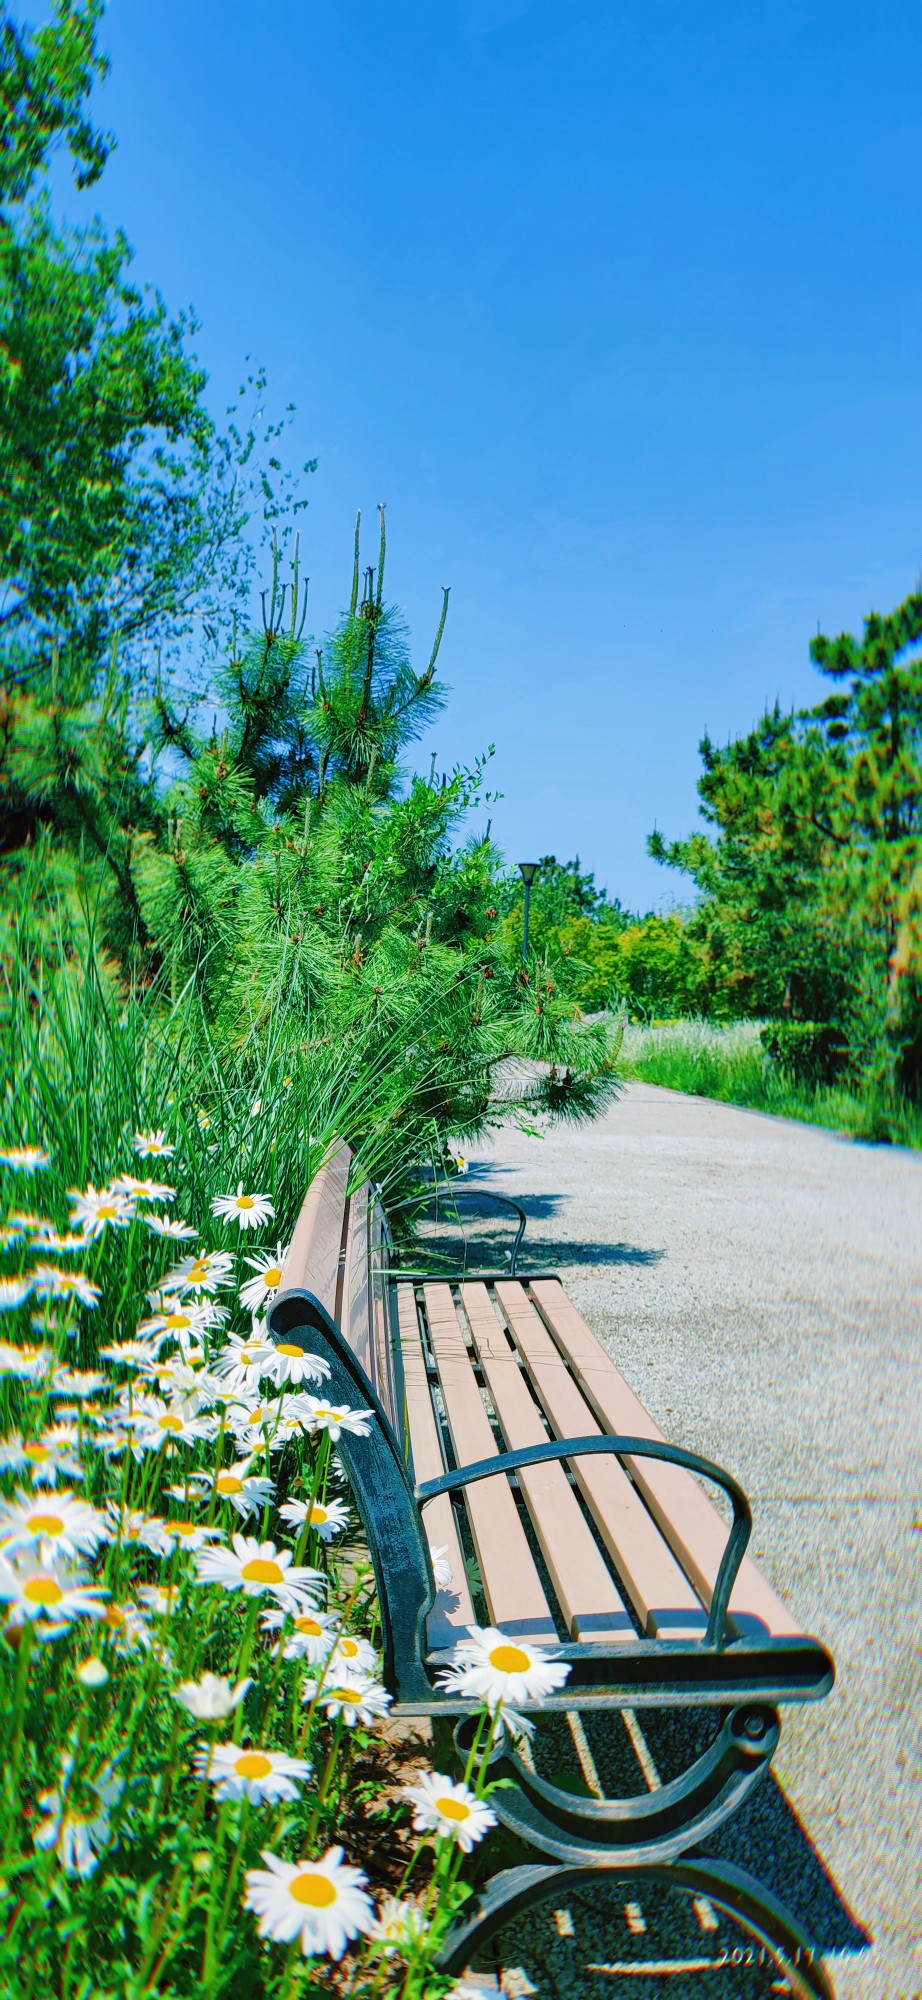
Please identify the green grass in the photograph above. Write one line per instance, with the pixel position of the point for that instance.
(728, 1063)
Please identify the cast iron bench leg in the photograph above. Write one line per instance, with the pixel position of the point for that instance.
(731, 1889)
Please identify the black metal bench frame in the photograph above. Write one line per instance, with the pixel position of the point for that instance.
(638, 1837)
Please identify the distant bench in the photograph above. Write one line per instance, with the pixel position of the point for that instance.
(507, 1434)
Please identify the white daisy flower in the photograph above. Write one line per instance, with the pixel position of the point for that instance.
(50, 1283)
(312, 1635)
(47, 1458)
(135, 1529)
(350, 1653)
(29, 1363)
(205, 1273)
(99, 1209)
(170, 1226)
(25, 1159)
(257, 1429)
(92, 1673)
(257, 1775)
(449, 1809)
(78, 1837)
(11, 1236)
(256, 1107)
(59, 1523)
(14, 1293)
(326, 1517)
(79, 1382)
(211, 1698)
(322, 1903)
(249, 1211)
(152, 1146)
(259, 1568)
(441, 1567)
(203, 1119)
(162, 1600)
(188, 1535)
(158, 1424)
(25, 1218)
(268, 1266)
(242, 1363)
(291, 1364)
(247, 1491)
(177, 1319)
(33, 1590)
(489, 1667)
(334, 1417)
(143, 1190)
(63, 1246)
(360, 1699)
(128, 1353)
(126, 1629)
(399, 1925)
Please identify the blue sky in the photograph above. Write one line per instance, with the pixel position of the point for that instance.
(618, 309)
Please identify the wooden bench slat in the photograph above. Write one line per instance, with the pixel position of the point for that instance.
(512, 1586)
(587, 1595)
(692, 1526)
(448, 1620)
(313, 1260)
(658, 1587)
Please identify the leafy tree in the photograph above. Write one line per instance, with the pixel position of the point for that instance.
(811, 884)
(120, 506)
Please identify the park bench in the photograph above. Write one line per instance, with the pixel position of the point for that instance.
(506, 1433)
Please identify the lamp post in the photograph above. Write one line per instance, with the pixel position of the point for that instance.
(528, 870)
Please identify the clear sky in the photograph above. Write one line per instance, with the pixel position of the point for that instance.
(616, 306)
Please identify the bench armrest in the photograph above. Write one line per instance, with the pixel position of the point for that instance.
(626, 1447)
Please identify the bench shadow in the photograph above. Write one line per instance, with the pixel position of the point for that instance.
(644, 1939)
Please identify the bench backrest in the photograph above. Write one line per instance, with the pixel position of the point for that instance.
(332, 1303)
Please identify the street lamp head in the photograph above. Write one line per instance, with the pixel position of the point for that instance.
(528, 870)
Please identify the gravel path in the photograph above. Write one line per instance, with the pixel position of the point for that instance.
(760, 1282)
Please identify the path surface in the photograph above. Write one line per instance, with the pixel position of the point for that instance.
(760, 1284)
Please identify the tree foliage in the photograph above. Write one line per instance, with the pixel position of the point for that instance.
(121, 507)
(811, 878)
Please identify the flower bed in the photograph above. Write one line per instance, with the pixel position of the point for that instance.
(190, 1678)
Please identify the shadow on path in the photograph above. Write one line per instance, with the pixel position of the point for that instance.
(643, 1939)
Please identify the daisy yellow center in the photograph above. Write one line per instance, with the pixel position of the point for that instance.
(46, 1524)
(309, 1625)
(318, 1514)
(317, 1891)
(348, 1648)
(246, 1354)
(183, 1528)
(43, 1590)
(347, 1695)
(272, 1277)
(252, 1765)
(509, 1660)
(199, 1268)
(115, 1617)
(227, 1482)
(287, 1347)
(260, 1570)
(453, 1809)
(176, 1320)
(37, 1452)
(245, 1201)
(106, 1211)
(169, 1422)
